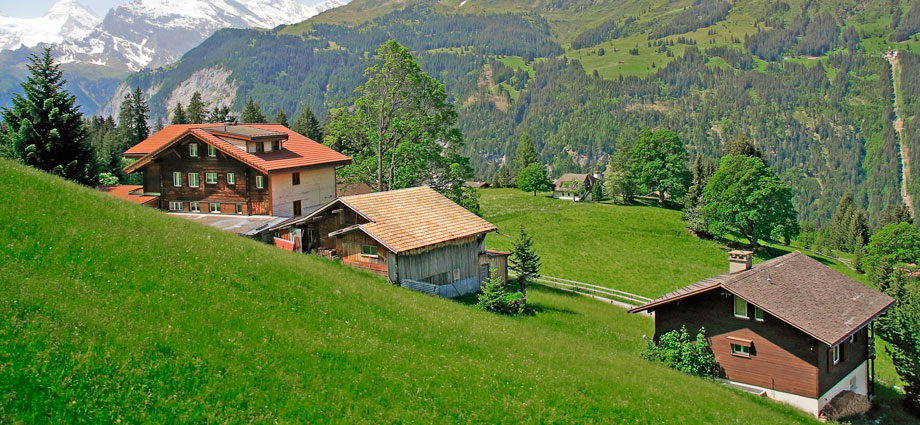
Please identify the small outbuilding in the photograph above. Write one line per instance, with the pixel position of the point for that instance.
(415, 237)
(790, 328)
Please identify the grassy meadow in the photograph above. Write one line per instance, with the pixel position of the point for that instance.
(115, 313)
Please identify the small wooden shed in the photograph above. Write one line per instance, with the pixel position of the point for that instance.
(415, 237)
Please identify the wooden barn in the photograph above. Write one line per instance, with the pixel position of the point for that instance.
(415, 237)
(790, 328)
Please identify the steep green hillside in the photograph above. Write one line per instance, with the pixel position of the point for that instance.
(804, 79)
(115, 313)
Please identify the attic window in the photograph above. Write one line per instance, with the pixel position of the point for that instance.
(193, 150)
(741, 308)
(741, 350)
(260, 147)
(276, 145)
(758, 314)
(212, 151)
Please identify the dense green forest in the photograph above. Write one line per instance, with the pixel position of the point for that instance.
(805, 80)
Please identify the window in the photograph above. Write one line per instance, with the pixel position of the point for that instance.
(295, 179)
(231, 178)
(210, 178)
(260, 182)
(852, 338)
(193, 150)
(296, 207)
(194, 206)
(837, 354)
(239, 208)
(212, 151)
(741, 350)
(741, 308)
(369, 251)
(177, 179)
(276, 145)
(260, 147)
(758, 314)
(192, 179)
(215, 207)
(175, 205)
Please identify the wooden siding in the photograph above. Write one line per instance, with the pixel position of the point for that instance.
(782, 357)
(853, 355)
(177, 159)
(437, 265)
(349, 248)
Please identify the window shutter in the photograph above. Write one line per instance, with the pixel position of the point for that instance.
(830, 359)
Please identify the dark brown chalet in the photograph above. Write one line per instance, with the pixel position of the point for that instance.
(246, 169)
(789, 328)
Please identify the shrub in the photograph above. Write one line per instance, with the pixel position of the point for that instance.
(678, 351)
(493, 298)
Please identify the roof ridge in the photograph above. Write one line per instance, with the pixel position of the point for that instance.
(735, 277)
(385, 191)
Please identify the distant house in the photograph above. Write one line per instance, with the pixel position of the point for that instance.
(478, 185)
(562, 187)
(415, 237)
(789, 328)
(240, 170)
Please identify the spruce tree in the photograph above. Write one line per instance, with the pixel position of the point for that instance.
(744, 146)
(140, 128)
(900, 213)
(281, 118)
(252, 113)
(525, 154)
(179, 116)
(219, 114)
(524, 261)
(46, 128)
(195, 114)
(308, 126)
(840, 223)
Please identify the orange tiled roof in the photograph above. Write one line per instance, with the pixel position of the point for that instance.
(408, 219)
(128, 192)
(298, 151)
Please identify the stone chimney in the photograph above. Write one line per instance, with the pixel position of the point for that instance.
(739, 261)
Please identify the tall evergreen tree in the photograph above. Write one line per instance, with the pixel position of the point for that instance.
(504, 178)
(196, 113)
(179, 116)
(900, 213)
(744, 146)
(525, 154)
(219, 114)
(46, 128)
(252, 113)
(308, 125)
(140, 130)
(281, 118)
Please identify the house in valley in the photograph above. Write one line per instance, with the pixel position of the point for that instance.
(789, 328)
(243, 170)
(415, 237)
(575, 187)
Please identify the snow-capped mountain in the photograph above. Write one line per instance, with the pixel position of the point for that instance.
(67, 20)
(149, 33)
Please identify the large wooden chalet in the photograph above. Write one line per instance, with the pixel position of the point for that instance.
(245, 169)
(789, 328)
(562, 190)
(415, 237)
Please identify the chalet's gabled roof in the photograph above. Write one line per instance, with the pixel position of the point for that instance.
(298, 151)
(572, 176)
(799, 290)
(407, 219)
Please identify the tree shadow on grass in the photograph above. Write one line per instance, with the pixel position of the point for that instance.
(534, 308)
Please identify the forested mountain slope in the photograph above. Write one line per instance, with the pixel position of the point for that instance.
(805, 80)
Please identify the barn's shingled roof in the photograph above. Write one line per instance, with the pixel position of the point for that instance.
(407, 219)
(799, 290)
(298, 151)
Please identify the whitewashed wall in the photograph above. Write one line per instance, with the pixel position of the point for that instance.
(316, 188)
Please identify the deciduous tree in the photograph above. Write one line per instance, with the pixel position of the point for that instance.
(745, 196)
(659, 163)
(533, 178)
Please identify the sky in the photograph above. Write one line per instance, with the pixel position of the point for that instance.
(35, 8)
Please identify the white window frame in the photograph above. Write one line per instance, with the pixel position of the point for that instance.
(758, 314)
(239, 208)
(194, 206)
(741, 350)
(212, 151)
(193, 180)
(260, 182)
(836, 354)
(735, 306)
(175, 205)
(231, 178)
(208, 180)
(177, 179)
(852, 338)
(193, 150)
(211, 208)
